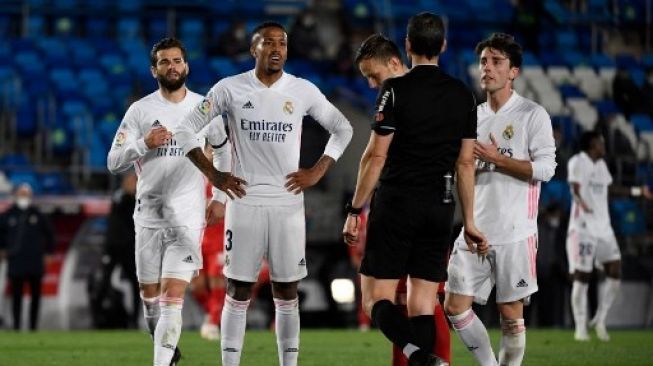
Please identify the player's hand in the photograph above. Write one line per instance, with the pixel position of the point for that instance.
(476, 241)
(214, 212)
(646, 192)
(232, 186)
(351, 229)
(157, 136)
(300, 180)
(487, 152)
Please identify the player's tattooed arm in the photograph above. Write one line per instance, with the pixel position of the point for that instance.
(303, 178)
(232, 186)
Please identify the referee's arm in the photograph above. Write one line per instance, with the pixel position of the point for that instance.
(370, 167)
(465, 170)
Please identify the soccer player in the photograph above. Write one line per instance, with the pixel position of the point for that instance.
(515, 152)
(378, 59)
(170, 202)
(264, 108)
(424, 128)
(590, 238)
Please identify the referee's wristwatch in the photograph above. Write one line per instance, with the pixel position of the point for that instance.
(351, 210)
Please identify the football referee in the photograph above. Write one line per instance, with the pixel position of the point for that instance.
(423, 132)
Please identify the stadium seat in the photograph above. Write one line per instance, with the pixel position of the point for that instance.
(28, 176)
(642, 123)
(583, 112)
(54, 183)
(626, 129)
(560, 75)
(589, 82)
(555, 191)
(627, 217)
(646, 139)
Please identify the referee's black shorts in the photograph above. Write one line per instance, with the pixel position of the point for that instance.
(408, 233)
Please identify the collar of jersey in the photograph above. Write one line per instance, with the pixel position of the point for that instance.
(260, 84)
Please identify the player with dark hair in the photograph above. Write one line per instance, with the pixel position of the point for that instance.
(515, 152)
(264, 108)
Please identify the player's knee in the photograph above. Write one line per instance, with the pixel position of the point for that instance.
(454, 307)
(239, 290)
(584, 277)
(149, 290)
(285, 290)
(512, 326)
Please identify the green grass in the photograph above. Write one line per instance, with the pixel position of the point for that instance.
(318, 348)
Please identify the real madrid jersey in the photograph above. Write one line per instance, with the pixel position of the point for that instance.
(594, 179)
(265, 125)
(505, 207)
(170, 189)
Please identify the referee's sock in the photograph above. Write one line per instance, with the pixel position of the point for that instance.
(424, 330)
(395, 326)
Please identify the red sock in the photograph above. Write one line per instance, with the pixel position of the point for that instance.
(442, 346)
(216, 303)
(202, 297)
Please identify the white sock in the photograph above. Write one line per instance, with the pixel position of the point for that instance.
(472, 332)
(513, 342)
(287, 330)
(579, 304)
(608, 293)
(168, 330)
(151, 313)
(234, 322)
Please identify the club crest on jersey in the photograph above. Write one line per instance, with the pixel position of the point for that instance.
(121, 137)
(288, 108)
(508, 133)
(205, 106)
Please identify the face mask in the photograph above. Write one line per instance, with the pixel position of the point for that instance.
(23, 202)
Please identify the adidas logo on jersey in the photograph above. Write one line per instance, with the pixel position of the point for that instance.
(188, 259)
(522, 283)
(248, 105)
(302, 262)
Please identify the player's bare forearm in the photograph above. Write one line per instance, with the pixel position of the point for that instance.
(322, 166)
(232, 186)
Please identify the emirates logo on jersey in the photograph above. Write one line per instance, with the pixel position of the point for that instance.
(508, 133)
(288, 108)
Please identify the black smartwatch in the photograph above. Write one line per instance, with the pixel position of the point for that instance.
(353, 210)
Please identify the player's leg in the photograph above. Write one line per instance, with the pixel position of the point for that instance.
(287, 265)
(148, 271)
(516, 280)
(442, 346)
(513, 333)
(181, 262)
(608, 253)
(17, 284)
(581, 249)
(245, 233)
(398, 357)
(469, 278)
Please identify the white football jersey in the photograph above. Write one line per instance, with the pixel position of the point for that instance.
(265, 125)
(170, 189)
(505, 207)
(594, 179)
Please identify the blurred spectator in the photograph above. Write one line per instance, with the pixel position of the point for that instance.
(626, 94)
(527, 18)
(305, 41)
(233, 42)
(26, 240)
(563, 152)
(647, 92)
(120, 241)
(549, 303)
(5, 184)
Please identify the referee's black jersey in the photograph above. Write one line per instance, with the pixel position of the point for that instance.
(429, 113)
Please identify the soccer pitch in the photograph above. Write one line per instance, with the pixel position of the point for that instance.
(318, 348)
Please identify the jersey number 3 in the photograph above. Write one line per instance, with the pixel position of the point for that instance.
(228, 234)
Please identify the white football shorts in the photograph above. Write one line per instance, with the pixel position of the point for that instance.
(172, 252)
(276, 233)
(585, 250)
(509, 267)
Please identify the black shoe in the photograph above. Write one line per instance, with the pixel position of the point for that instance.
(176, 357)
(420, 358)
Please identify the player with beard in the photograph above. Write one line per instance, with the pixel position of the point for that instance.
(170, 199)
(264, 109)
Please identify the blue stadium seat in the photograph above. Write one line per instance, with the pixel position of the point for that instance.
(599, 60)
(642, 122)
(12, 161)
(570, 91)
(223, 66)
(627, 218)
(25, 176)
(555, 191)
(128, 28)
(606, 107)
(54, 183)
(26, 118)
(647, 61)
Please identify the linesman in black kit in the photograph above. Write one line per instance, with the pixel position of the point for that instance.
(423, 132)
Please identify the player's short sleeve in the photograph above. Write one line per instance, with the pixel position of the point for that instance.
(575, 170)
(384, 119)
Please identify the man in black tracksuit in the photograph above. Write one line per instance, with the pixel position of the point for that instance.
(26, 238)
(423, 131)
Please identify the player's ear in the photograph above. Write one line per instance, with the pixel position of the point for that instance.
(407, 46)
(514, 72)
(153, 71)
(444, 47)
